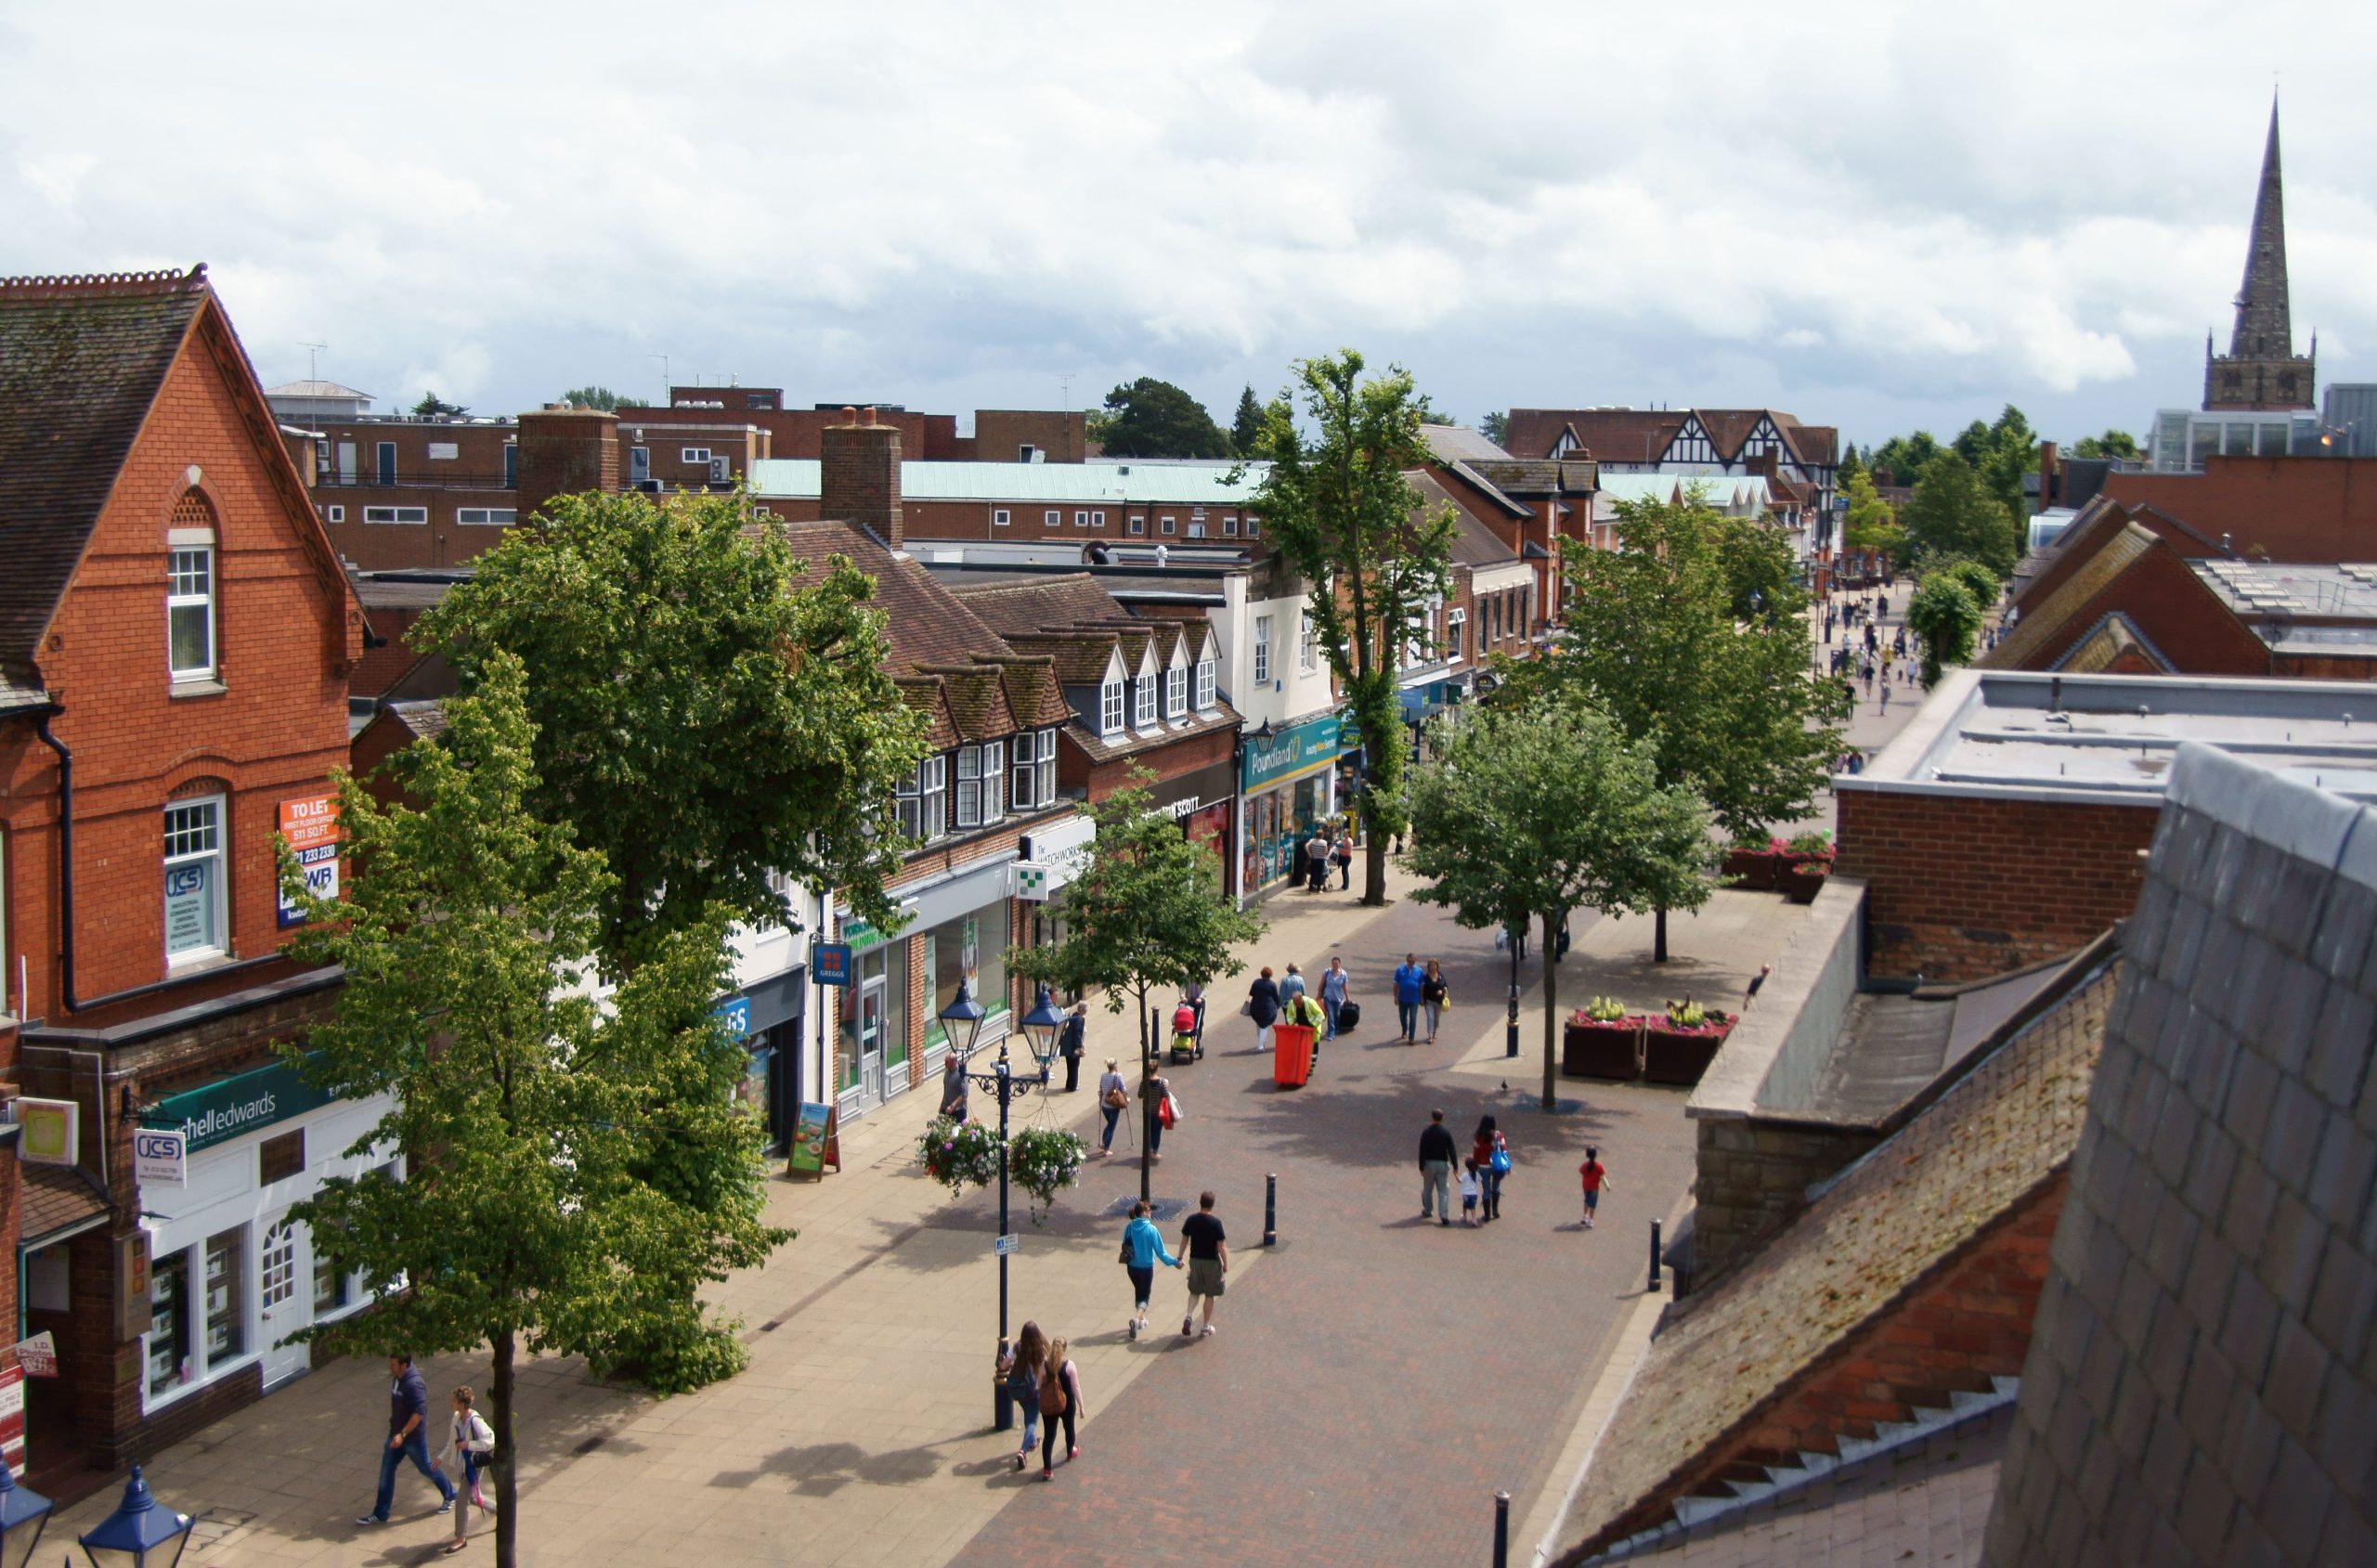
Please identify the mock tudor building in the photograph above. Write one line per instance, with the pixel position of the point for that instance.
(175, 637)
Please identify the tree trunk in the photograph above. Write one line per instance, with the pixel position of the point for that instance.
(1659, 935)
(1550, 1016)
(507, 1469)
(1374, 866)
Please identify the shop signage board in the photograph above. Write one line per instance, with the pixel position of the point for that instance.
(832, 963)
(38, 1355)
(233, 1107)
(311, 826)
(1031, 882)
(816, 1141)
(49, 1131)
(160, 1157)
(735, 1014)
(12, 1419)
(1297, 749)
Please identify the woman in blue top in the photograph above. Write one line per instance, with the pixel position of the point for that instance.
(1142, 1246)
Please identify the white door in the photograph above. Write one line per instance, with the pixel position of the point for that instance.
(284, 1298)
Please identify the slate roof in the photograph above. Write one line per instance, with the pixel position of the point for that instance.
(926, 622)
(1888, 1223)
(1449, 442)
(80, 361)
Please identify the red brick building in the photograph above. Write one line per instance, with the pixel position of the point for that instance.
(175, 637)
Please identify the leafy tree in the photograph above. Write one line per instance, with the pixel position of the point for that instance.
(1904, 455)
(1870, 523)
(2112, 444)
(1850, 465)
(1147, 913)
(1947, 616)
(1341, 513)
(432, 407)
(600, 397)
(706, 716)
(1952, 514)
(1538, 809)
(1980, 581)
(1973, 443)
(1495, 427)
(1154, 419)
(577, 1165)
(1246, 430)
(2013, 452)
(1431, 414)
(1725, 701)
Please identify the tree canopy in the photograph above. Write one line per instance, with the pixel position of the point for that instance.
(1246, 430)
(432, 407)
(1870, 523)
(710, 717)
(1496, 427)
(1946, 615)
(1540, 808)
(578, 1166)
(1154, 419)
(1953, 513)
(600, 397)
(1342, 514)
(2112, 444)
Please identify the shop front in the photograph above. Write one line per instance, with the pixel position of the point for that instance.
(1201, 801)
(766, 1017)
(1286, 790)
(1052, 857)
(956, 932)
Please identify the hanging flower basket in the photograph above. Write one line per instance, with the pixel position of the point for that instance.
(1043, 1162)
(959, 1154)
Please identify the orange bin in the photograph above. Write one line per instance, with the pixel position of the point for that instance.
(1290, 1055)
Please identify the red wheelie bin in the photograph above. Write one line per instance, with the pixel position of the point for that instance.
(1290, 1055)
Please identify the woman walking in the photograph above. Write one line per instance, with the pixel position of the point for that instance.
(1434, 997)
(1158, 1092)
(469, 1439)
(1263, 1006)
(1142, 1250)
(1022, 1367)
(1060, 1401)
(1113, 1099)
(1493, 1157)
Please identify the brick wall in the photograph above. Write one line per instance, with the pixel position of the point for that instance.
(564, 451)
(1962, 887)
(2282, 509)
(1751, 1175)
(2168, 604)
(859, 476)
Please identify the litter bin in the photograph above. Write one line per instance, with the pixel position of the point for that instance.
(1290, 1055)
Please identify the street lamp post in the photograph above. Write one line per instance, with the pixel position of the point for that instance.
(139, 1534)
(23, 1511)
(965, 1014)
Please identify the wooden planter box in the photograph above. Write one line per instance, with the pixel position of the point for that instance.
(1757, 868)
(1804, 881)
(1611, 1051)
(1680, 1056)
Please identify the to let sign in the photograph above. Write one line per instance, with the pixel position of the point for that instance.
(160, 1157)
(311, 827)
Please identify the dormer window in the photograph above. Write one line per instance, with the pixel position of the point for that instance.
(1143, 702)
(1036, 770)
(1110, 708)
(924, 800)
(982, 776)
(1207, 691)
(1175, 691)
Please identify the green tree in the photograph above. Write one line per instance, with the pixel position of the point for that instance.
(1953, 513)
(1246, 430)
(1148, 913)
(1945, 614)
(2112, 444)
(600, 397)
(432, 407)
(1539, 809)
(1727, 702)
(1850, 465)
(1495, 427)
(1870, 523)
(574, 1163)
(1341, 513)
(1154, 419)
(1905, 456)
(2013, 452)
(706, 715)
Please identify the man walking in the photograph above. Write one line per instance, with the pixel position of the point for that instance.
(1408, 975)
(1332, 994)
(1207, 1244)
(1075, 1041)
(1437, 1153)
(408, 1439)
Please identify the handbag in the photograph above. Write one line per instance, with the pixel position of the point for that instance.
(1246, 1008)
(1167, 1114)
(1116, 1099)
(1500, 1160)
(1125, 1259)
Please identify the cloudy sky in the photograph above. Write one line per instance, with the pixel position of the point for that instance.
(1879, 215)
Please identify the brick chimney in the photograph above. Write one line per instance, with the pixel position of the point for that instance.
(563, 452)
(859, 474)
(2048, 467)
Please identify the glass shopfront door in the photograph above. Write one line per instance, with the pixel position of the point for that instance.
(870, 1041)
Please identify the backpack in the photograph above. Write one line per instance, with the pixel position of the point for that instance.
(1052, 1391)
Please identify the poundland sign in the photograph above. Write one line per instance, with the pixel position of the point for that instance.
(234, 1107)
(1293, 750)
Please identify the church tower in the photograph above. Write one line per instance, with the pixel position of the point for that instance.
(2260, 370)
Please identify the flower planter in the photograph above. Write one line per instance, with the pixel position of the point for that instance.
(1758, 868)
(1680, 1055)
(1611, 1050)
(1805, 881)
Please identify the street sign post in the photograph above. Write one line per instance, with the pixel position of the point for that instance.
(1006, 1246)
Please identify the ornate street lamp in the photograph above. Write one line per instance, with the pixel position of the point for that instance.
(962, 1020)
(23, 1513)
(1042, 1026)
(967, 1013)
(139, 1534)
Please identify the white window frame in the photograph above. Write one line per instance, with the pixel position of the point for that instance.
(1098, 518)
(1229, 527)
(1208, 686)
(969, 786)
(1261, 649)
(338, 514)
(1081, 519)
(1052, 518)
(696, 455)
(486, 516)
(1456, 632)
(993, 780)
(190, 585)
(1036, 770)
(400, 516)
(1110, 707)
(1175, 691)
(1195, 528)
(934, 796)
(998, 517)
(1253, 528)
(1308, 644)
(1167, 524)
(1138, 525)
(215, 853)
(1143, 703)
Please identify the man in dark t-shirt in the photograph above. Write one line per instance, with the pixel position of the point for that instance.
(1207, 1244)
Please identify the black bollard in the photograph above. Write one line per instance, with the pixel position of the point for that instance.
(1271, 1210)
(1502, 1530)
(1655, 1254)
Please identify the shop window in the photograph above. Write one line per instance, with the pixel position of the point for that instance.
(189, 612)
(169, 1324)
(334, 1289)
(281, 1158)
(194, 880)
(1175, 691)
(1208, 687)
(971, 948)
(226, 1304)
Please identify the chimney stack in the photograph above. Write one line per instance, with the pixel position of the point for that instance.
(2049, 465)
(859, 474)
(563, 452)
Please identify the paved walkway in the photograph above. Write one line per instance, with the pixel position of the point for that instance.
(1371, 1383)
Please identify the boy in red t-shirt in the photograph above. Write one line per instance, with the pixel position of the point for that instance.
(1595, 1179)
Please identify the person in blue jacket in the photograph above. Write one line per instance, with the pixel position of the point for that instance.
(1408, 978)
(1142, 1246)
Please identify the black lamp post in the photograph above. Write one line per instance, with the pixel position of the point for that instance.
(23, 1513)
(963, 1019)
(138, 1532)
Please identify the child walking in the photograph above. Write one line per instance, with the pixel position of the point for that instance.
(1470, 1187)
(469, 1439)
(1596, 1178)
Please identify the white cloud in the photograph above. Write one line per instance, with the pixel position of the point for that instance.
(1875, 212)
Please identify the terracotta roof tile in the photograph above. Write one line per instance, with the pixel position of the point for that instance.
(1038, 604)
(924, 693)
(977, 698)
(1033, 693)
(925, 623)
(1081, 657)
(1611, 434)
(55, 1198)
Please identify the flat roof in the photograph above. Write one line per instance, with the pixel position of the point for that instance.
(2299, 608)
(1113, 484)
(2110, 738)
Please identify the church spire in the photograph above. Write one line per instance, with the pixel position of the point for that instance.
(2261, 370)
